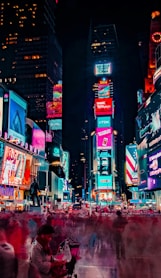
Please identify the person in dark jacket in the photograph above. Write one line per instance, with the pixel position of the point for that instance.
(118, 226)
(34, 189)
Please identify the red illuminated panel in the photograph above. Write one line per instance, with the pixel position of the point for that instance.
(103, 106)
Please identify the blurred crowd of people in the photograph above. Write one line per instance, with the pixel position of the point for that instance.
(27, 240)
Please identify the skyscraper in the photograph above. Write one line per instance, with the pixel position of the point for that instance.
(30, 54)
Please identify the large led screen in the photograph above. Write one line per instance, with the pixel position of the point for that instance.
(55, 124)
(148, 122)
(103, 106)
(154, 170)
(103, 90)
(104, 162)
(38, 138)
(131, 171)
(17, 117)
(1, 110)
(104, 138)
(65, 163)
(104, 182)
(13, 166)
(54, 107)
(102, 69)
(104, 121)
(26, 181)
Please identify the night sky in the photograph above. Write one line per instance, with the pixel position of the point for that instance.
(73, 18)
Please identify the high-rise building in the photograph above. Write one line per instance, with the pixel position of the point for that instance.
(31, 59)
(106, 177)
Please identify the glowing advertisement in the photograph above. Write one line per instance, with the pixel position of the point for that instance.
(103, 90)
(38, 138)
(65, 163)
(55, 124)
(54, 107)
(1, 112)
(131, 171)
(104, 138)
(104, 182)
(102, 69)
(148, 133)
(104, 162)
(17, 117)
(26, 180)
(104, 121)
(103, 106)
(13, 166)
(154, 170)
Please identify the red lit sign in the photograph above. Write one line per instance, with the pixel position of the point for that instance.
(103, 106)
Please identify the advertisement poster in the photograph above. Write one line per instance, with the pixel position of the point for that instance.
(54, 107)
(154, 170)
(131, 165)
(13, 166)
(1, 112)
(105, 182)
(102, 69)
(104, 138)
(17, 117)
(103, 106)
(104, 121)
(38, 138)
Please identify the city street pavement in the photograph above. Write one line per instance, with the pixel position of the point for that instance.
(96, 266)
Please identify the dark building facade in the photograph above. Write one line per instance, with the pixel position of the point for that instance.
(30, 54)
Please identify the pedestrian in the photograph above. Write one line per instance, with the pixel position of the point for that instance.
(41, 253)
(118, 227)
(34, 189)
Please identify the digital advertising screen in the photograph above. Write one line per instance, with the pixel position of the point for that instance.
(154, 170)
(13, 166)
(104, 182)
(104, 162)
(38, 138)
(1, 111)
(102, 69)
(65, 163)
(104, 121)
(17, 117)
(26, 181)
(55, 124)
(103, 90)
(103, 106)
(148, 122)
(131, 171)
(54, 107)
(104, 138)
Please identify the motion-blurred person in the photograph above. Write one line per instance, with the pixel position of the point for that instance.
(34, 189)
(10, 265)
(118, 226)
(41, 253)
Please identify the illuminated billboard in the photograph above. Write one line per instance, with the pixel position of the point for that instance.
(131, 171)
(104, 162)
(54, 107)
(104, 138)
(26, 180)
(17, 117)
(103, 106)
(104, 121)
(1, 111)
(102, 69)
(104, 182)
(55, 124)
(65, 163)
(154, 170)
(103, 89)
(13, 166)
(38, 138)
